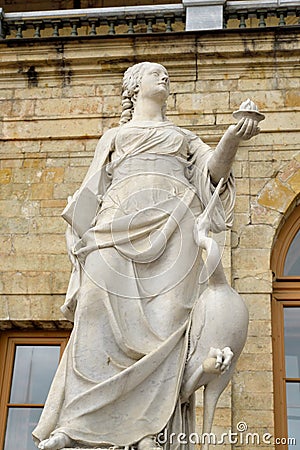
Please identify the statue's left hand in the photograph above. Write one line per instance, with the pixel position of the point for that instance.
(245, 129)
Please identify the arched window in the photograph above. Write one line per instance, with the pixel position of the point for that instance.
(286, 332)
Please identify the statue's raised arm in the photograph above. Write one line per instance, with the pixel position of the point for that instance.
(221, 161)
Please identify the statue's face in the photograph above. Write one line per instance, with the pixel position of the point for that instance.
(155, 82)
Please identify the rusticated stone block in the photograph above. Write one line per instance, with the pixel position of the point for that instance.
(276, 195)
(14, 225)
(5, 176)
(242, 204)
(57, 128)
(261, 361)
(53, 175)
(292, 98)
(245, 263)
(202, 102)
(256, 236)
(258, 381)
(263, 215)
(37, 244)
(289, 171)
(10, 208)
(41, 191)
(265, 99)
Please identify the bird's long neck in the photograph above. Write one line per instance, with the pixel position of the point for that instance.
(213, 270)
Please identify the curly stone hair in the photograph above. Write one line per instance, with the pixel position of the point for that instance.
(131, 84)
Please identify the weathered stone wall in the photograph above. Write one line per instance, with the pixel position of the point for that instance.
(58, 97)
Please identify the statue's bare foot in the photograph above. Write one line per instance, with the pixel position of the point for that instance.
(148, 443)
(56, 442)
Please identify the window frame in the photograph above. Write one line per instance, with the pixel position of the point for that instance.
(281, 247)
(286, 293)
(8, 342)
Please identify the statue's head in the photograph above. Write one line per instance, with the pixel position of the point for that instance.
(131, 83)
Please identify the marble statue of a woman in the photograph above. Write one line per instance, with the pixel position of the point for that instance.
(134, 284)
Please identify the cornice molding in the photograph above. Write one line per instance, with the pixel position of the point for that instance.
(83, 59)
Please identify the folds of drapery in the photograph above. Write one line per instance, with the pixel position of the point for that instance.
(112, 388)
(97, 181)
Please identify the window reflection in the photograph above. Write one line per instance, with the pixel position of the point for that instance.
(20, 424)
(292, 341)
(292, 260)
(293, 411)
(34, 369)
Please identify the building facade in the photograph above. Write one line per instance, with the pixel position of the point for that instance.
(58, 94)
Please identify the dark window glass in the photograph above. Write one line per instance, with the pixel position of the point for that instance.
(20, 423)
(293, 412)
(34, 369)
(292, 260)
(292, 341)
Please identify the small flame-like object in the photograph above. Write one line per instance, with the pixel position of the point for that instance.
(248, 109)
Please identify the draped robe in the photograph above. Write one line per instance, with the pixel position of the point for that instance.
(133, 287)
